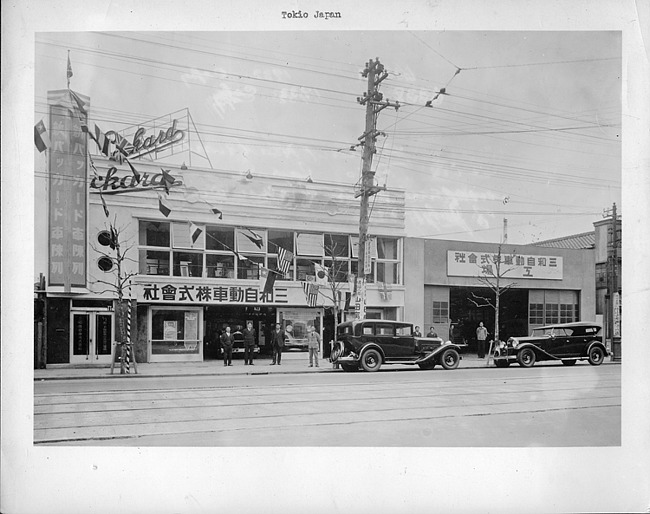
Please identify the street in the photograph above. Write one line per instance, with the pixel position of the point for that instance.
(547, 405)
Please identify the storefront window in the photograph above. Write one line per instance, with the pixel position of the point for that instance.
(188, 264)
(280, 239)
(304, 267)
(154, 262)
(273, 265)
(174, 332)
(552, 313)
(440, 312)
(295, 323)
(220, 238)
(249, 268)
(388, 272)
(536, 313)
(339, 269)
(154, 233)
(337, 245)
(220, 266)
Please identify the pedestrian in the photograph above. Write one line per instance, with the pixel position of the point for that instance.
(481, 336)
(313, 342)
(432, 333)
(249, 343)
(277, 340)
(226, 346)
(417, 332)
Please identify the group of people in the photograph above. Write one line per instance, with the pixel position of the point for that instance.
(278, 338)
(228, 340)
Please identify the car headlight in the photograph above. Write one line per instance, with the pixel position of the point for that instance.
(513, 342)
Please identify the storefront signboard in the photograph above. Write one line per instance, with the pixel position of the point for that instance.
(194, 294)
(464, 263)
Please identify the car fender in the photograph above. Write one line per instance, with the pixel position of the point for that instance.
(597, 343)
(374, 346)
(438, 351)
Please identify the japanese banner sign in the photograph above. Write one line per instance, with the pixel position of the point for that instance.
(196, 294)
(483, 264)
(67, 197)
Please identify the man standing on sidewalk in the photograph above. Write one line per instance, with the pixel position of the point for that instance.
(277, 340)
(313, 342)
(249, 343)
(481, 336)
(226, 345)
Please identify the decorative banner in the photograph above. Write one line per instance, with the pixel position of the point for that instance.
(67, 170)
(360, 300)
(617, 315)
(482, 264)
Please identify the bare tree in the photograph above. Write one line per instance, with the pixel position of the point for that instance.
(117, 255)
(335, 286)
(491, 276)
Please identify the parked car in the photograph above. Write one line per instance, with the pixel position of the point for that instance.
(367, 344)
(566, 342)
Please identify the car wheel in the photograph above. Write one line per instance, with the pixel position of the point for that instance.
(371, 360)
(569, 362)
(502, 364)
(349, 367)
(427, 365)
(596, 356)
(526, 358)
(450, 359)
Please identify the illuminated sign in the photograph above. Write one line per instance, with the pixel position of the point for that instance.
(483, 264)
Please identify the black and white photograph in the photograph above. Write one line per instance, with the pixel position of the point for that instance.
(338, 258)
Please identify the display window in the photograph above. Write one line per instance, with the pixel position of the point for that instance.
(176, 332)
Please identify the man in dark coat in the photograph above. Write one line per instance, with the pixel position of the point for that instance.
(226, 345)
(277, 340)
(249, 343)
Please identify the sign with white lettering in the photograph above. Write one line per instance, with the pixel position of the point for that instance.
(67, 216)
(483, 264)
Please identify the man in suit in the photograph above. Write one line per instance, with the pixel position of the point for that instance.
(249, 343)
(277, 340)
(226, 345)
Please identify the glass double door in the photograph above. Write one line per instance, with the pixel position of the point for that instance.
(91, 338)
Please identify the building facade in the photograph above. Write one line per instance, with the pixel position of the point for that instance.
(191, 249)
(448, 281)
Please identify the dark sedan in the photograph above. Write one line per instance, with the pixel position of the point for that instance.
(566, 342)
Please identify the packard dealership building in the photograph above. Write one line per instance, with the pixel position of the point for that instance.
(196, 245)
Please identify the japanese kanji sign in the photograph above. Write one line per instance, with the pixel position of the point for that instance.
(483, 264)
(178, 292)
(67, 169)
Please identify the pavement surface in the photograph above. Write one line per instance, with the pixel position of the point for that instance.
(292, 362)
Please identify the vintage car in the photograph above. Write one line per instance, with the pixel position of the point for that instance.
(566, 342)
(367, 344)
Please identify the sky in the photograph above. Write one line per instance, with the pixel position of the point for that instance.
(529, 127)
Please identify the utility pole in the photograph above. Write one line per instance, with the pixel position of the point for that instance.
(373, 100)
(613, 304)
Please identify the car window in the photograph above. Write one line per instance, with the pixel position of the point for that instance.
(384, 330)
(405, 330)
(367, 330)
(559, 332)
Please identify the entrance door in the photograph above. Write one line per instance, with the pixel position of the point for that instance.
(91, 338)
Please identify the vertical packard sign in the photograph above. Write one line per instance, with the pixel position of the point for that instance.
(67, 205)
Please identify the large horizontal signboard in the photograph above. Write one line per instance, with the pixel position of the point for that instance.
(483, 264)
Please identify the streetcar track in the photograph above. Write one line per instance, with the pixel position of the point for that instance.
(323, 424)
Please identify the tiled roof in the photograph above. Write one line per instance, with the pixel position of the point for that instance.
(586, 240)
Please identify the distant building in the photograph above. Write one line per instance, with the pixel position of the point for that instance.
(608, 272)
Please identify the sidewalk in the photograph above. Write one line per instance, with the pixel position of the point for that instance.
(292, 362)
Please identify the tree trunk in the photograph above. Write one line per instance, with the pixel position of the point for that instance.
(121, 310)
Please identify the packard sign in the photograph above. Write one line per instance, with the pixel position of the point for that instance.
(143, 144)
(463, 263)
(112, 183)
